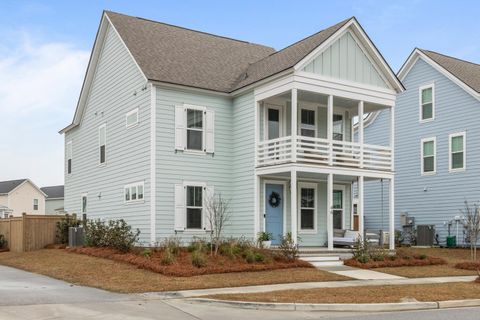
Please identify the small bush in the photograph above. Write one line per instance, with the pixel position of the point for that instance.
(116, 234)
(172, 244)
(249, 255)
(259, 257)
(363, 259)
(61, 233)
(167, 258)
(198, 259)
(288, 248)
(147, 253)
(197, 245)
(3, 242)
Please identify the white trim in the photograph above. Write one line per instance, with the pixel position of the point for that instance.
(203, 109)
(153, 164)
(203, 185)
(302, 106)
(81, 203)
(422, 142)
(277, 182)
(453, 135)
(417, 54)
(340, 187)
(129, 187)
(67, 158)
(420, 105)
(307, 185)
(281, 120)
(134, 111)
(100, 163)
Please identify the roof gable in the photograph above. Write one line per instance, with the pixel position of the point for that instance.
(53, 192)
(7, 186)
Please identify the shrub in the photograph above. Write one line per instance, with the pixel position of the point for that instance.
(197, 245)
(172, 244)
(3, 242)
(61, 233)
(147, 253)
(198, 259)
(167, 258)
(288, 248)
(116, 234)
(249, 255)
(259, 257)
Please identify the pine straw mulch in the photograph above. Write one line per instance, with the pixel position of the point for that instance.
(415, 261)
(182, 265)
(468, 265)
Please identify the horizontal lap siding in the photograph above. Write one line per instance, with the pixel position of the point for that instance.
(175, 167)
(116, 90)
(455, 110)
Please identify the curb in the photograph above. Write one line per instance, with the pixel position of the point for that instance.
(348, 307)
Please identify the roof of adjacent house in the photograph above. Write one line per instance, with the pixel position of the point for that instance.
(53, 191)
(465, 71)
(177, 55)
(7, 186)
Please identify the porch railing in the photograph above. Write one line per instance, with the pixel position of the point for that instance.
(323, 152)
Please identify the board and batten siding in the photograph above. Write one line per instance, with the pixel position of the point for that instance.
(176, 167)
(431, 199)
(345, 60)
(117, 88)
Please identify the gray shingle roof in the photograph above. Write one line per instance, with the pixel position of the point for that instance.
(182, 56)
(7, 186)
(53, 191)
(467, 72)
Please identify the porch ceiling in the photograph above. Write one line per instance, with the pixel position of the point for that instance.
(317, 176)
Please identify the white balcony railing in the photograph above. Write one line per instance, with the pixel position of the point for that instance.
(324, 152)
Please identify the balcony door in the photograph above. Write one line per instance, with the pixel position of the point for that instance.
(274, 122)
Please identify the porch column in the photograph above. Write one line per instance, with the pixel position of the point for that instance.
(256, 206)
(360, 130)
(391, 213)
(330, 211)
(293, 204)
(392, 135)
(330, 129)
(360, 207)
(294, 124)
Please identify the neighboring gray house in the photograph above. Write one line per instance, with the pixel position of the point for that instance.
(169, 116)
(437, 154)
(54, 200)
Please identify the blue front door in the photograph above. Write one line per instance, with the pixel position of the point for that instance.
(274, 211)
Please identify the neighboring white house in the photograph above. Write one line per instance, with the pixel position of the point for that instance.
(168, 116)
(20, 196)
(54, 200)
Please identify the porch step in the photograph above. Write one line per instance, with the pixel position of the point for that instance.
(319, 261)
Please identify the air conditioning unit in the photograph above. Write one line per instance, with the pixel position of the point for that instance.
(425, 235)
(76, 236)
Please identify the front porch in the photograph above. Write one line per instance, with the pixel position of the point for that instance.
(321, 203)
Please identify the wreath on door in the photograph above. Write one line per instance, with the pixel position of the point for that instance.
(274, 199)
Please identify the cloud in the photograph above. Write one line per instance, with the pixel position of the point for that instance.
(40, 84)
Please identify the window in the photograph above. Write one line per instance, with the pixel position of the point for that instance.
(194, 205)
(133, 192)
(131, 118)
(338, 209)
(102, 142)
(457, 147)
(69, 157)
(426, 103)
(338, 127)
(307, 123)
(84, 203)
(195, 129)
(273, 122)
(308, 201)
(35, 204)
(428, 156)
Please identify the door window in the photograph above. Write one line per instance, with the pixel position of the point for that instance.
(337, 209)
(273, 123)
(307, 123)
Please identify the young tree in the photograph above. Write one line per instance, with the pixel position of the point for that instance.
(218, 215)
(472, 226)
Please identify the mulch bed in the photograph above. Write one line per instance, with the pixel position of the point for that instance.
(4, 249)
(468, 265)
(398, 262)
(182, 265)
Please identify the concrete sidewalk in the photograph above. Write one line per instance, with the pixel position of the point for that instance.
(360, 274)
(304, 285)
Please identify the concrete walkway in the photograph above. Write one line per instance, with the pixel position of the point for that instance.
(304, 285)
(360, 274)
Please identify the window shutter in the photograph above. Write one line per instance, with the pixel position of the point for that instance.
(179, 207)
(209, 194)
(210, 131)
(179, 128)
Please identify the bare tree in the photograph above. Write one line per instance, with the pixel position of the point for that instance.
(472, 226)
(218, 215)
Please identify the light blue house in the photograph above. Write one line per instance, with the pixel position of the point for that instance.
(436, 154)
(168, 116)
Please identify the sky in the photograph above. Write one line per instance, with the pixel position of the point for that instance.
(45, 47)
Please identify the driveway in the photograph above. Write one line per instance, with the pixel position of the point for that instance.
(25, 295)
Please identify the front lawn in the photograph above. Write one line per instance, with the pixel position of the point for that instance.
(116, 276)
(367, 294)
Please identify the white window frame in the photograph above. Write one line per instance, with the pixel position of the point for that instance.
(340, 187)
(450, 137)
(307, 126)
(204, 110)
(129, 188)
(81, 203)
(314, 186)
(420, 105)
(422, 170)
(35, 203)
(134, 111)
(281, 120)
(100, 164)
(69, 144)
(344, 124)
(203, 185)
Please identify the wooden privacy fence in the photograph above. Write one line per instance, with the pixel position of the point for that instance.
(29, 232)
